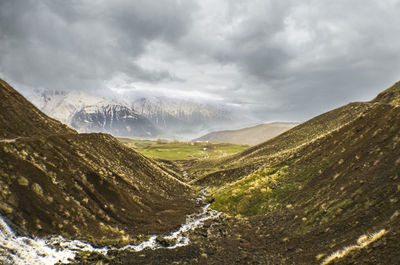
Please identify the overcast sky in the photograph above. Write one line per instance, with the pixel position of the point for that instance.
(286, 60)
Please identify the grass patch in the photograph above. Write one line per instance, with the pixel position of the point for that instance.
(265, 190)
(176, 150)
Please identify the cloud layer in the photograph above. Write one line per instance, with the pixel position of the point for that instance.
(285, 60)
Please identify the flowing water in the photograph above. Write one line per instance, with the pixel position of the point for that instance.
(23, 250)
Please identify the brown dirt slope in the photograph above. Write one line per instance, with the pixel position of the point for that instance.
(250, 136)
(216, 172)
(19, 118)
(55, 181)
(390, 95)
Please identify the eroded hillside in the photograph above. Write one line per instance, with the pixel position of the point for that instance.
(56, 181)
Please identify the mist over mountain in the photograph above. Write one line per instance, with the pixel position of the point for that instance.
(250, 135)
(146, 116)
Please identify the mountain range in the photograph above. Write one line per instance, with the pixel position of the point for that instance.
(128, 116)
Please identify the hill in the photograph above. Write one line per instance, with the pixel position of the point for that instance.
(90, 186)
(250, 136)
(18, 117)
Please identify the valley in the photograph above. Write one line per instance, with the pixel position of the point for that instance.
(326, 191)
(176, 150)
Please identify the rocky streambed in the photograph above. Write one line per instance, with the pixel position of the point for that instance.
(21, 250)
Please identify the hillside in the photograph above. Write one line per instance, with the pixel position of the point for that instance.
(56, 181)
(390, 95)
(250, 136)
(18, 117)
(230, 168)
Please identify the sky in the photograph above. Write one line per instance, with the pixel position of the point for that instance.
(285, 60)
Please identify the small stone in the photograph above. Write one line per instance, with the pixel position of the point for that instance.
(204, 255)
(23, 181)
(166, 242)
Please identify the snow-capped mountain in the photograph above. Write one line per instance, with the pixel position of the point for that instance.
(63, 105)
(113, 118)
(125, 115)
(183, 117)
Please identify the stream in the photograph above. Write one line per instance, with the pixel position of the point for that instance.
(22, 250)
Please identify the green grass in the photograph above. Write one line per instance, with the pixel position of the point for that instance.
(264, 190)
(175, 150)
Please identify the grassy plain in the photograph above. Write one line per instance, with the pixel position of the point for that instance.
(176, 150)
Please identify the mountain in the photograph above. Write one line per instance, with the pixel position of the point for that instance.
(250, 136)
(183, 117)
(88, 113)
(151, 116)
(89, 186)
(116, 119)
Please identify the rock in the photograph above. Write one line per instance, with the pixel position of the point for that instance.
(204, 255)
(166, 242)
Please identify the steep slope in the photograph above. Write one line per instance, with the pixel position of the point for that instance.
(250, 136)
(329, 193)
(211, 172)
(390, 95)
(55, 181)
(113, 118)
(19, 118)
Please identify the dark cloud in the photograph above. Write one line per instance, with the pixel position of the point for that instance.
(286, 60)
(79, 44)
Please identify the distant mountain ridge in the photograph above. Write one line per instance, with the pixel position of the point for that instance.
(137, 117)
(115, 119)
(250, 136)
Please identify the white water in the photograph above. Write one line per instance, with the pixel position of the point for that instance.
(21, 250)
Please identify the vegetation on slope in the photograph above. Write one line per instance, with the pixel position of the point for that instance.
(390, 95)
(214, 172)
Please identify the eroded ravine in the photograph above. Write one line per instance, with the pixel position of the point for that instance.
(23, 250)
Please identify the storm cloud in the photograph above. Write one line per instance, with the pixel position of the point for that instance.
(284, 60)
